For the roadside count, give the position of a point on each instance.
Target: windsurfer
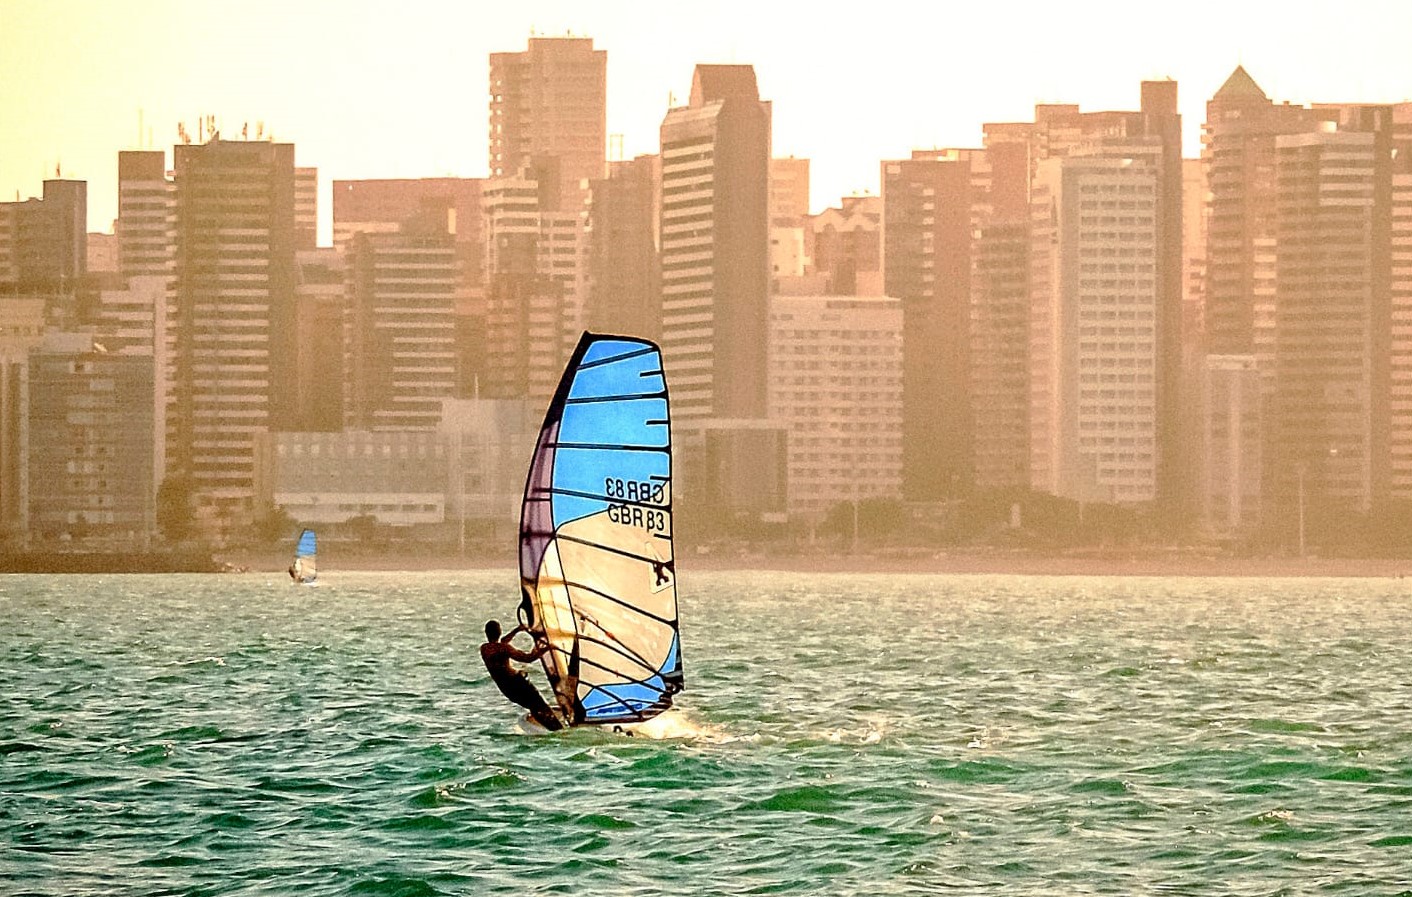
(497, 653)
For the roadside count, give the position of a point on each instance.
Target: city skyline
(400, 92)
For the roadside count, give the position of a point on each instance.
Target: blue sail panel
(305, 567)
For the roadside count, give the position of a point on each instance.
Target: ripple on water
(214, 736)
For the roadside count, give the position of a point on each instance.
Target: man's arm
(527, 656)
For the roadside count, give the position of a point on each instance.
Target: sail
(305, 561)
(596, 562)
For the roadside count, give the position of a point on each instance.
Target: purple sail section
(537, 513)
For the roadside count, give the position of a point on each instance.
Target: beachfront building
(836, 387)
(489, 442)
(401, 355)
(548, 116)
(234, 320)
(1231, 444)
(624, 293)
(536, 263)
(1330, 446)
(397, 478)
(21, 330)
(1093, 364)
(89, 466)
(715, 246)
(928, 204)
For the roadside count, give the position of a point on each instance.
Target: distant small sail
(305, 567)
(596, 561)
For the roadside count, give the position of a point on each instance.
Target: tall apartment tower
(401, 335)
(1333, 314)
(928, 206)
(845, 246)
(381, 206)
(843, 409)
(89, 444)
(548, 113)
(146, 225)
(1238, 147)
(1151, 138)
(44, 246)
(535, 285)
(234, 319)
(306, 208)
(1094, 319)
(1400, 365)
(715, 246)
(624, 295)
(321, 294)
(1000, 317)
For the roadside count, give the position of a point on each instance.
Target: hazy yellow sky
(398, 89)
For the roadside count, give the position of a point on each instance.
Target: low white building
(836, 387)
(397, 477)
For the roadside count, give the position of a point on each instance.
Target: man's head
(492, 630)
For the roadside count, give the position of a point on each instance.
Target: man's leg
(528, 697)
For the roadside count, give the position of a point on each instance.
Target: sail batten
(596, 556)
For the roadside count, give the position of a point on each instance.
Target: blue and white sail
(596, 563)
(305, 568)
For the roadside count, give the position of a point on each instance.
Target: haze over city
(374, 90)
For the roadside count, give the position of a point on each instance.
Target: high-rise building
(624, 294)
(929, 208)
(1232, 449)
(401, 333)
(321, 298)
(44, 246)
(1000, 343)
(1239, 151)
(1400, 347)
(846, 246)
(383, 206)
(1094, 320)
(21, 330)
(789, 211)
(715, 246)
(306, 208)
(234, 319)
(836, 386)
(89, 444)
(536, 270)
(1333, 313)
(1151, 136)
(548, 116)
(789, 191)
(146, 225)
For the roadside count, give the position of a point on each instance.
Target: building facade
(836, 386)
(234, 320)
(548, 116)
(715, 246)
(1094, 298)
(401, 355)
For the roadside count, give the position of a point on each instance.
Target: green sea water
(839, 735)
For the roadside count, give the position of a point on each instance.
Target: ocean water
(840, 735)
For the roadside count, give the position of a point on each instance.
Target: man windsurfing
(497, 652)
